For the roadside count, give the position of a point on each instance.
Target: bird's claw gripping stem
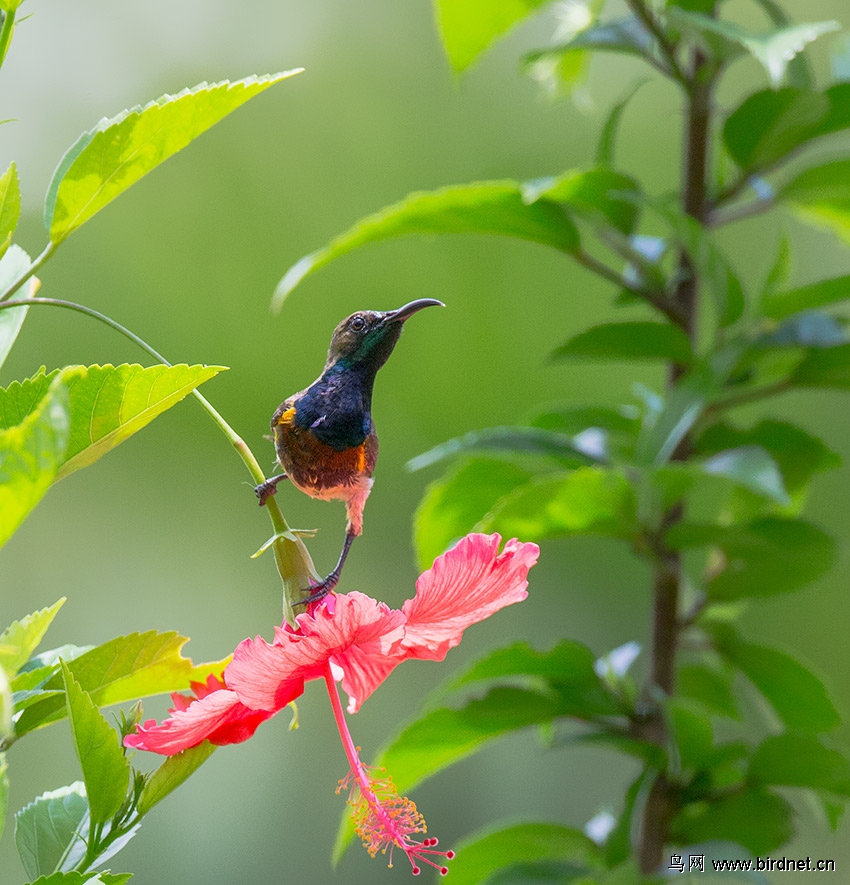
(268, 487)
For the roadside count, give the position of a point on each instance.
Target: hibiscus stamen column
(382, 819)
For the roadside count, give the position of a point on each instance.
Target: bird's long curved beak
(412, 307)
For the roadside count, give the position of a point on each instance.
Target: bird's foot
(268, 487)
(320, 590)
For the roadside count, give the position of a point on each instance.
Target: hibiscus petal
(219, 717)
(266, 676)
(465, 585)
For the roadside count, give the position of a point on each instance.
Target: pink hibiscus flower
(359, 641)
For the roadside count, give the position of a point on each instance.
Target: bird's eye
(357, 324)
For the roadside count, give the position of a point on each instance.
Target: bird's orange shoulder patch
(287, 416)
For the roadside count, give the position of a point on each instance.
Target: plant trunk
(660, 803)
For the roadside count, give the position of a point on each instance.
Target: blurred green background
(158, 534)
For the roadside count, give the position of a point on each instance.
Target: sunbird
(324, 436)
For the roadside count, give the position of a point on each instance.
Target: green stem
(278, 522)
(6, 32)
(46, 253)
(668, 49)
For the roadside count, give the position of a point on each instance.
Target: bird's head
(367, 338)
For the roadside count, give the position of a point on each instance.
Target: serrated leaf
(13, 264)
(490, 207)
(513, 440)
(444, 736)
(10, 202)
(755, 818)
(50, 831)
(824, 367)
(589, 500)
(107, 404)
(172, 773)
(795, 760)
(603, 197)
(819, 294)
(798, 696)
(821, 194)
(21, 638)
(487, 851)
(468, 27)
(106, 160)
(774, 50)
(106, 771)
(111, 403)
(125, 668)
(31, 452)
(454, 504)
(629, 341)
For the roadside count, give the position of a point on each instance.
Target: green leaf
(710, 263)
(751, 467)
(568, 668)
(106, 771)
(50, 831)
(75, 878)
(821, 194)
(13, 264)
(10, 202)
(108, 404)
(468, 27)
(106, 160)
(795, 760)
(513, 440)
(601, 196)
(111, 403)
(540, 873)
(444, 736)
(799, 698)
(771, 124)
(629, 341)
(454, 504)
(755, 818)
(487, 851)
(589, 500)
(798, 453)
(824, 367)
(172, 773)
(627, 35)
(691, 732)
(710, 686)
(494, 207)
(778, 274)
(799, 72)
(125, 668)
(767, 556)
(611, 430)
(608, 136)
(811, 328)
(31, 452)
(21, 638)
(617, 846)
(814, 295)
(4, 792)
(773, 50)
(664, 428)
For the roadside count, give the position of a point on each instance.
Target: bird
(324, 435)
